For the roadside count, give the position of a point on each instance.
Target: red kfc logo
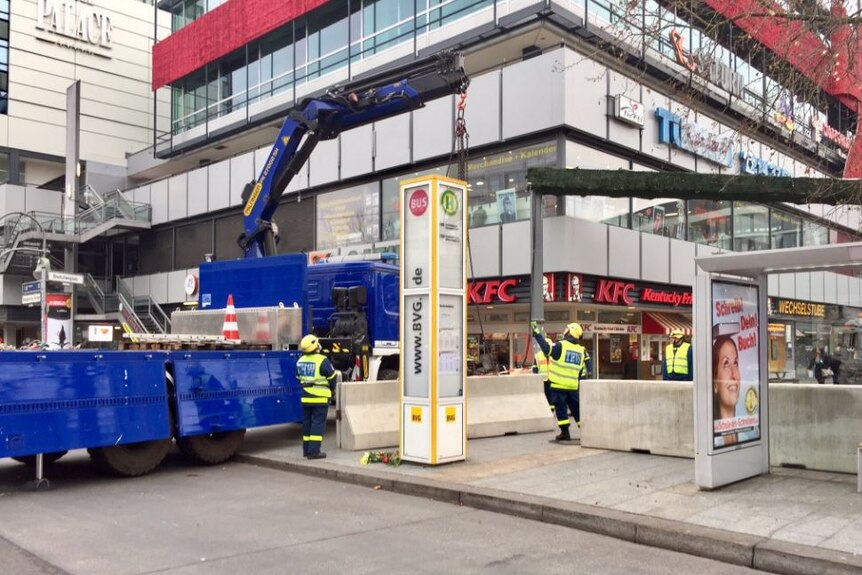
(613, 291)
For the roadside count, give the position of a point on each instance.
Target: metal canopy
(811, 258)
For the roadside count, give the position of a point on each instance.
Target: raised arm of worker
(552, 352)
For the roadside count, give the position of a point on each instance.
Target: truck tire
(132, 459)
(47, 458)
(211, 448)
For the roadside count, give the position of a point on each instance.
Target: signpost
(433, 311)
(31, 293)
(66, 278)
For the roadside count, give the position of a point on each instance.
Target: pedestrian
(569, 362)
(821, 365)
(678, 362)
(540, 366)
(316, 375)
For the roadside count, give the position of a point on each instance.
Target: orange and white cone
(230, 329)
(262, 334)
(357, 370)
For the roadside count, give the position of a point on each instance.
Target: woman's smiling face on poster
(726, 375)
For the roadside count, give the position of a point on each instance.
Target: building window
(709, 223)
(349, 216)
(814, 234)
(786, 230)
(663, 217)
(750, 227)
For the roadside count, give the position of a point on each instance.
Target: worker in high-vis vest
(569, 363)
(316, 375)
(540, 366)
(678, 363)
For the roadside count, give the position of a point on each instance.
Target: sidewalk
(790, 521)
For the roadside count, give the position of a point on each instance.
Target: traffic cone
(357, 370)
(262, 333)
(230, 329)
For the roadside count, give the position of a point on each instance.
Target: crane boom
(343, 107)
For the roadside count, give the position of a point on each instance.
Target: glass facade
(750, 227)
(326, 39)
(709, 223)
(4, 59)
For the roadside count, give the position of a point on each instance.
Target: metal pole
(537, 300)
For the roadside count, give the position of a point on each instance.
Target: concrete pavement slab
(815, 517)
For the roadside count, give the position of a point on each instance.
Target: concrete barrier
(368, 412)
(818, 426)
(814, 426)
(634, 415)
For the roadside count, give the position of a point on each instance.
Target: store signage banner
(797, 308)
(749, 164)
(735, 373)
(80, 25)
(611, 327)
(628, 111)
(691, 137)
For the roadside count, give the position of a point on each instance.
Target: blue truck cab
(361, 324)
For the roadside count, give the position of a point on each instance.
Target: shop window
(814, 234)
(523, 316)
(786, 230)
(349, 216)
(561, 315)
(750, 227)
(709, 223)
(662, 217)
(612, 211)
(497, 317)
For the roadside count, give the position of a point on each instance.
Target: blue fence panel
(61, 400)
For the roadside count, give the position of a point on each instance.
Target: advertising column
(730, 386)
(433, 308)
(57, 330)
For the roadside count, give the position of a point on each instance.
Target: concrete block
(369, 411)
(718, 544)
(506, 404)
(626, 415)
(797, 559)
(599, 520)
(439, 490)
(517, 504)
(816, 426)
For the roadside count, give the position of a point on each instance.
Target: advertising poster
(735, 374)
(506, 205)
(58, 324)
(573, 288)
(548, 287)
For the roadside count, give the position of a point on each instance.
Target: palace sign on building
(78, 25)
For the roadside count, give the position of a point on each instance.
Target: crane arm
(367, 100)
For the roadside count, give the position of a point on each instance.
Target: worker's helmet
(309, 344)
(676, 333)
(575, 330)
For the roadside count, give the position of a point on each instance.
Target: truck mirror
(358, 296)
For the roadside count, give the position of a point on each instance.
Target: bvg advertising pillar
(433, 312)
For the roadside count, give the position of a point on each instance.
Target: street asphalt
(790, 521)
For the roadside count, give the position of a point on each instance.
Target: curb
(717, 544)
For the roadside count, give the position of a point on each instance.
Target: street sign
(31, 293)
(66, 278)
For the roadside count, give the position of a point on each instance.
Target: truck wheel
(211, 448)
(47, 458)
(388, 375)
(131, 459)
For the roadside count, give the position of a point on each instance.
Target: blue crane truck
(352, 306)
(127, 407)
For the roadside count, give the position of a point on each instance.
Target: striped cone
(230, 329)
(262, 333)
(357, 370)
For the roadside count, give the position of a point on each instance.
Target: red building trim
(221, 31)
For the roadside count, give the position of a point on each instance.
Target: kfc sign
(491, 291)
(615, 292)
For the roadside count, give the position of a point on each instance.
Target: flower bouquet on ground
(387, 457)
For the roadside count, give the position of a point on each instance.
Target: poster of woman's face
(735, 370)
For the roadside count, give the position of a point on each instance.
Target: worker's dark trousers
(550, 396)
(564, 401)
(313, 426)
